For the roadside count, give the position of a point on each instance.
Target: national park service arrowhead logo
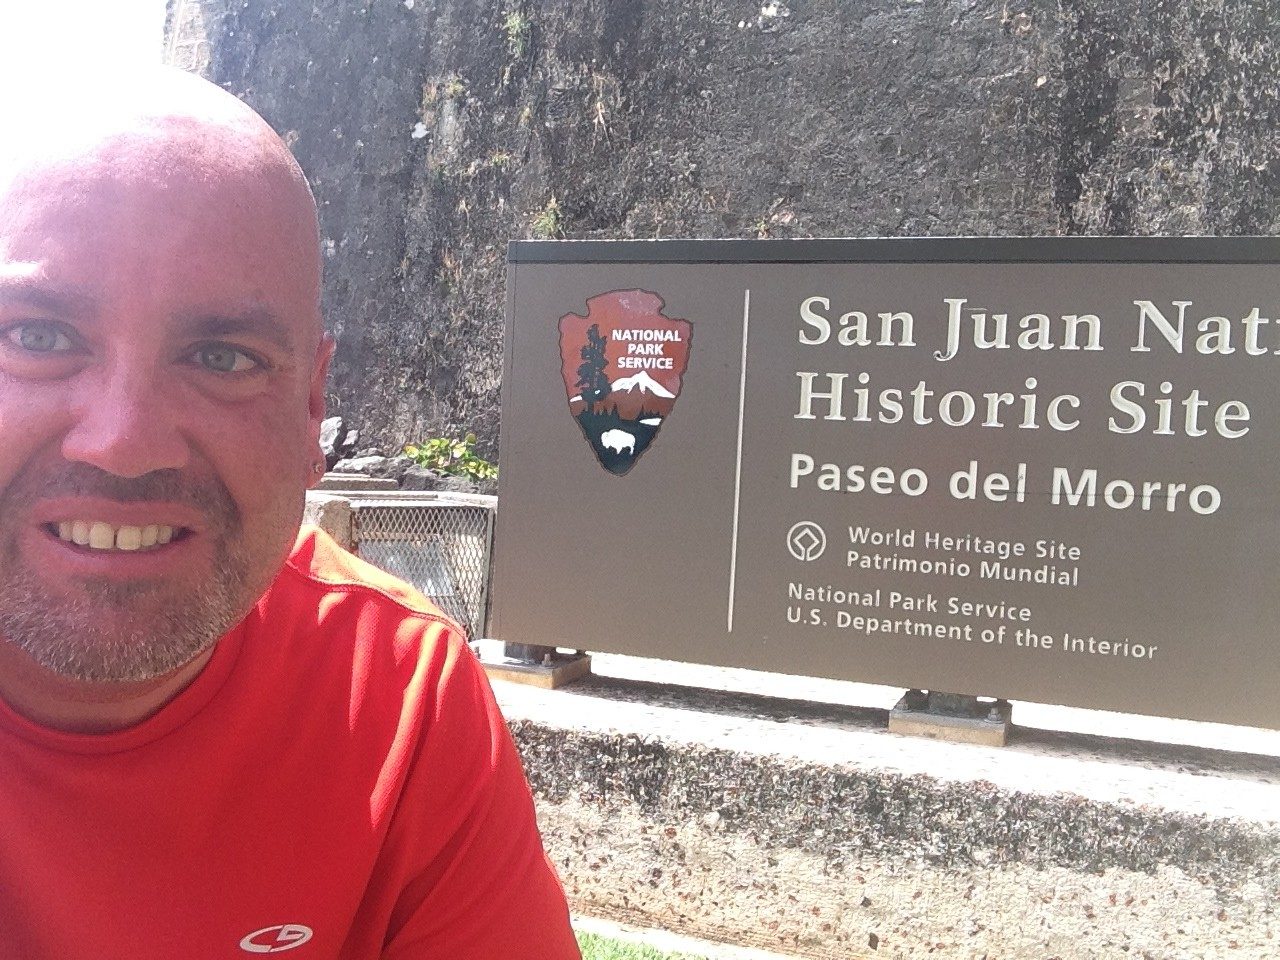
(623, 366)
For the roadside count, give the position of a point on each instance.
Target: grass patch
(547, 222)
(516, 24)
(595, 947)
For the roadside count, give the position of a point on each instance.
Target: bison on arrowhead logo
(623, 366)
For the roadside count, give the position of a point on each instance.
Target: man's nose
(124, 424)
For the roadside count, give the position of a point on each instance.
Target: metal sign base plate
(560, 671)
(951, 717)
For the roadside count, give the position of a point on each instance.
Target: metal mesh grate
(441, 548)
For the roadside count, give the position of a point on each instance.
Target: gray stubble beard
(113, 631)
(81, 638)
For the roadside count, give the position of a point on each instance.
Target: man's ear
(315, 399)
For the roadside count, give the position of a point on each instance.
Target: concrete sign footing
(549, 671)
(806, 828)
(956, 718)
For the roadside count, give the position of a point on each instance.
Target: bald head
(152, 104)
(159, 130)
(162, 364)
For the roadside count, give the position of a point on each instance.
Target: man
(218, 738)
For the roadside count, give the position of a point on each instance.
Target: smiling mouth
(97, 535)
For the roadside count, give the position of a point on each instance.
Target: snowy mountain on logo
(644, 383)
(636, 397)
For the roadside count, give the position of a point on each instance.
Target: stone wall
(436, 130)
(807, 829)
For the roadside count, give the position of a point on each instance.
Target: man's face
(161, 376)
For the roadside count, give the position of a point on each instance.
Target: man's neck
(76, 706)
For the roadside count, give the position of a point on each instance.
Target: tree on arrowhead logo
(623, 367)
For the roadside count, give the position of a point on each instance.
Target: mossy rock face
(434, 133)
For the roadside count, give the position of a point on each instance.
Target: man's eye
(39, 338)
(221, 358)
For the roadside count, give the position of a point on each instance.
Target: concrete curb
(808, 829)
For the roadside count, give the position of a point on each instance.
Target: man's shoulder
(319, 572)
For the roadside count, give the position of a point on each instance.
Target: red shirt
(337, 784)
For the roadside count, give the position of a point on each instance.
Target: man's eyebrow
(33, 292)
(255, 322)
(30, 290)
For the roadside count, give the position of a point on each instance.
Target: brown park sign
(1036, 469)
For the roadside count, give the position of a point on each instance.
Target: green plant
(453, 87)
(516, 26)
(546, 224)
(596, 947)
(455, 457)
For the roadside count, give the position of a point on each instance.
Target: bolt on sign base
(550, 671)
(957, 718)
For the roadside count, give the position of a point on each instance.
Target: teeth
(128, 538)
(103, 536)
